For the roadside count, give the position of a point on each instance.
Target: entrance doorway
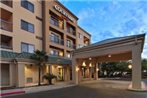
(5, 74)
(61, 74)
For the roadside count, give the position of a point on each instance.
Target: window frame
(25, 4)
(27, 26)
(27, 44)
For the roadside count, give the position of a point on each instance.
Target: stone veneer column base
(143, 88)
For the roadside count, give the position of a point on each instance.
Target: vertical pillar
(96, 71)
(75, 70)
(64, 38)
(90, 73)
(20, 75)
(136, 68)
(0, 75)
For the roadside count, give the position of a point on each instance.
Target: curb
(31, 90)
(12, 93)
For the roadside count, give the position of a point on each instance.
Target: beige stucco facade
(18, 35)
(25, 72)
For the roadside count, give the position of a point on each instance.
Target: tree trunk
(50, 81)
(39, 76)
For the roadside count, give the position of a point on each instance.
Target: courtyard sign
(63, 13)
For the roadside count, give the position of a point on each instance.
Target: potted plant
(49, 78)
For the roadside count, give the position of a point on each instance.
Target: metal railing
(7, 2)
(56, 40)
(71, 46)
(5, 25)
(5, 46)
(56, 23)
(71, 32)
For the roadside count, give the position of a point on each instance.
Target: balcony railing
(56, 23)
(71, 46)
(7, 2)
(71, 32)
(5, 25)
(5, 47)
(56, 40)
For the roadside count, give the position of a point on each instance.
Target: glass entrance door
(61, 74)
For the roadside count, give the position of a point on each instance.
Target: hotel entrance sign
(63, 13)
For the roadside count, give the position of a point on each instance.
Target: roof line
(57, 1)
(131, 37)
(84, 30)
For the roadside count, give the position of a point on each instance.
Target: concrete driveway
(95, 89)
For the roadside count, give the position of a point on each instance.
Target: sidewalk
(35, 89)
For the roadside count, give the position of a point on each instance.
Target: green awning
(24, 55)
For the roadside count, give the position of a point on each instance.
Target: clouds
(112, 18)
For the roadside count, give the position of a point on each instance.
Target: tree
(41, 58)
(144, 64)
(49, 77)
(112, 67)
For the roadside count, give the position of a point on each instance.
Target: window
(69, 43)
(54, 21)
(56, 52)
(27, 26)
(80, 36)
(27, 48)
(68, 55)
(27, 5)
(55, 38)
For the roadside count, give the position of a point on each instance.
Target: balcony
(5, 25)
(56, 22)
(6, 20)
(56, 40)
(71, 29)
(6, 42)
(72, 32)
(56, 52)
(72, 46)
(7, 2)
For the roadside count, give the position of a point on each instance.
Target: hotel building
(29, 25)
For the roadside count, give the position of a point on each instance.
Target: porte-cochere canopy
(114, 49)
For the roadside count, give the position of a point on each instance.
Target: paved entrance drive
(96, 89)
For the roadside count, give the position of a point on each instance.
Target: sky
(105, 19)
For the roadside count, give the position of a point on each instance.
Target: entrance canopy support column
(136, 84)
(75, 71)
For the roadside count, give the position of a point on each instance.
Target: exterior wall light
(84, 64)
(130, 66)
(97, 69)
(77, 68)
(109, 55)
(90, 65)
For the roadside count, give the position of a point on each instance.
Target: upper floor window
(55, 38)
(27, 48)
(7, 2)
(27, 26)
(27, 5)
(80, 36)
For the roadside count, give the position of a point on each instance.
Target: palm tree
(41, 58)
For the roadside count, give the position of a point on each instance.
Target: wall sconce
(90, 58)
(77, 69)
(97, 69)
(84, 64)
(90, 65)
(109, 55)
(15, 61)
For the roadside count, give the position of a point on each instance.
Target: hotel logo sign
(63, 13)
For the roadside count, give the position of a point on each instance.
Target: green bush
(49, 77)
